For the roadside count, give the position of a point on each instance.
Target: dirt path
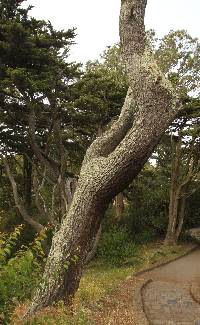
(167, 299)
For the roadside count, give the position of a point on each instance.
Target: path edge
(195, 297)
(138, 302)
(163, 263)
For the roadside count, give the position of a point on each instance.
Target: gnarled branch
(41, 156)
(110, 139)
(18, 201)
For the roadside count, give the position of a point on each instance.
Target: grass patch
(101, 278)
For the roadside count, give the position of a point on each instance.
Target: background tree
(35, 94)
(178, 55)
(185, 175)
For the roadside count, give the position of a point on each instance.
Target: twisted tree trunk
(112, 161)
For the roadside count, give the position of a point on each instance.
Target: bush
(145, 223)
(17, 280)
(8, 244)
(115, 245)
(146, 236)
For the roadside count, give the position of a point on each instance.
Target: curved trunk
(19, 202)
(112, 161)
(70, 248)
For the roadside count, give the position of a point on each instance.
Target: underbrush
(101, 277)
(20, 272)
(17, 280)
(116, 245)
(99, 280)
(59, 316)
(117, 258)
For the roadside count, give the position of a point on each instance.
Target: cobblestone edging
(163, 263)
(195, 293)
(143, 279)
(138, 303)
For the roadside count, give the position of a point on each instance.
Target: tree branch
(110, 139)
(36, 225)
(47, 161)
(153, 95)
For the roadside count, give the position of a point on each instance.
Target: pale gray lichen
(149, 64)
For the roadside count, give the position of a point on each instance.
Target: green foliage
(100, 92)
(20, 274)
(17, 280)
(146, 236)
(146, 213)
(7, 245)
(192, 218)
(178, 55)
(37, 245)
(33, 68)
(35, 78)
(115, 245)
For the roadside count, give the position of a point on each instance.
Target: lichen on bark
(114, 159)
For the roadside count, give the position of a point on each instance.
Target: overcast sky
(97, 20)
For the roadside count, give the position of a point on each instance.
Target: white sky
(97, 20)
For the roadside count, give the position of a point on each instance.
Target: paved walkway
(167, 299)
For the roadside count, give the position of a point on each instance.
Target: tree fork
(112, 161)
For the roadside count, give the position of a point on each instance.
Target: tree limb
(36, 225)
(110, 139)
(153, 95)
(49, 162)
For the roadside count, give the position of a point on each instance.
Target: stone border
(195, 296)
(138, 302)
(143, 283)
(163, 263)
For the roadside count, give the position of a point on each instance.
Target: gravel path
(167, 300)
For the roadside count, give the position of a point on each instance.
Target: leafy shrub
(146, 222)
(146, 236)
(17, 280)
(115, 245)
(8, 245)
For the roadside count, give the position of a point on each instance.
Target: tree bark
(119, 206)
(27, 170)
(182, 205)
(170, 238)
(176, 220)
(112, 161)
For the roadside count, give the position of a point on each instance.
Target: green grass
(100, 278)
